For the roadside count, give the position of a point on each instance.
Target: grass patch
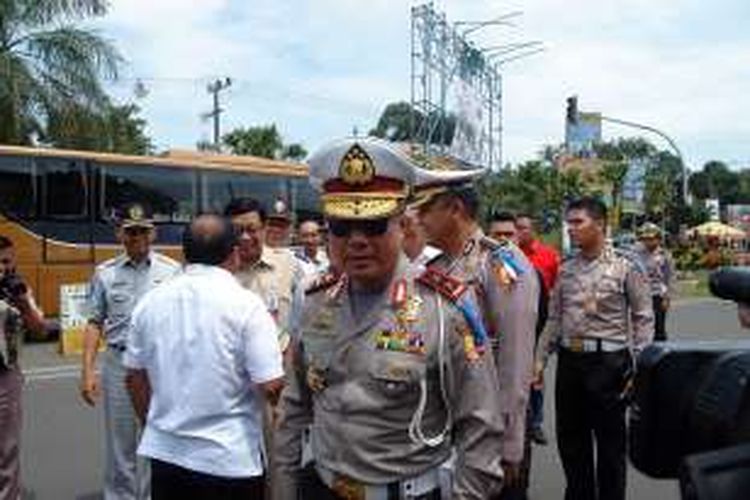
(693, 284)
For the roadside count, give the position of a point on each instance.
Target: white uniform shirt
(204, 341)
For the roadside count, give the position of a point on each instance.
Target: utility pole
(214, 88)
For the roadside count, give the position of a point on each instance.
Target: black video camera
(690, 397)
(12, 287)
(690, 416)
(731, 283)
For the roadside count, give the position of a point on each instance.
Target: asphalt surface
(63, 446)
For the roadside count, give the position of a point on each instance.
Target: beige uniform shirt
(116, 287)
(509, 307)
(358, 383)
(659, 267)
(605, 298)
(276, 277)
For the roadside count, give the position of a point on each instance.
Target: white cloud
(319, 68)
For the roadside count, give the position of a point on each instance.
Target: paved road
(63, 446)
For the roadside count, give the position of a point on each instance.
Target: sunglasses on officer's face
(344, 228)
(136, 230)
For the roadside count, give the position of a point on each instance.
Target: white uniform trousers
(126, 476)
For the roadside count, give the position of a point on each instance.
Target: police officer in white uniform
(115, 288)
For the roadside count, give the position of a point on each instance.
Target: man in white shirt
(313, 258)
(199, 349)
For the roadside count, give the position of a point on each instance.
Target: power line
(343, 106)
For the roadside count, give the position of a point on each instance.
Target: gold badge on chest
(408, 313)
(323, 319)
(316, 379)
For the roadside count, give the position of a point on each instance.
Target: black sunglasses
(136, 230)
(344, 228)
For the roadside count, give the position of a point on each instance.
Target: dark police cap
(135, 215)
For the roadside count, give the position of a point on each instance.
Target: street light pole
(666, 138)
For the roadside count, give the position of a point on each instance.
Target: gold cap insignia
(135, 212)
(356, 167)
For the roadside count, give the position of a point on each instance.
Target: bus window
(220, 187)
(64, 187)
(306, 200)
(17, 193)
(170, 192)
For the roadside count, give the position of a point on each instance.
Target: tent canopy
(717, 229)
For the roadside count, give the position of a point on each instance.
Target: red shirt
(546, 260)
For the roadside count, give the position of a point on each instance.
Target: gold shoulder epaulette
(446, 285)
(322, 282)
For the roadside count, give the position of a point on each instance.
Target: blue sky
(319, 68)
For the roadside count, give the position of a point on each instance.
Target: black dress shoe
(539, 437)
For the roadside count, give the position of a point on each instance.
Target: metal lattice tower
(441, 59)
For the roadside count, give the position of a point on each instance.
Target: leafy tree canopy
(400, 122)
(116, 129)
(49, 65)
(264, 141)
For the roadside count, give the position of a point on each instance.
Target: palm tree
(48, 65)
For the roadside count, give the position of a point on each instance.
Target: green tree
(662, 198)
(264, 141)
(116, 129)
(294, 152)
(617, 156)
(715, 181)
(399, 121)
(744, 186)
(395, 123)
(48, 64)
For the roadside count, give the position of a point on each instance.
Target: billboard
(471, 136)
(634, 186)
(712, 205)
(583, 133)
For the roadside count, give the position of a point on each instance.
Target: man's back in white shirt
(204, 342)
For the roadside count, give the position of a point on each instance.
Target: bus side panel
(28, 245)
(66, 253)
(55, 275)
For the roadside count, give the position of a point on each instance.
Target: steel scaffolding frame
(440, 57)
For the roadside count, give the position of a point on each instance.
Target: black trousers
(590, 413)
(660, 319)
(313, 488)
(171, 482)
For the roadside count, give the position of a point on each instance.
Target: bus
(58, 205)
